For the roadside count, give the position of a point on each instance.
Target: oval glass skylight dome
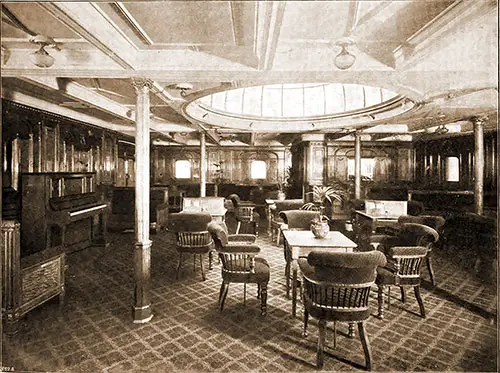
(304, 100)
(298, 107)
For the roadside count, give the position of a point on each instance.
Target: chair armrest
(242, 238)
(306, 269)
(240, 247)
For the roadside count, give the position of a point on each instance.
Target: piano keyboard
(99, 207)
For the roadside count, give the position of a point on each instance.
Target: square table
(301, 243)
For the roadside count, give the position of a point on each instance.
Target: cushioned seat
(240, 274)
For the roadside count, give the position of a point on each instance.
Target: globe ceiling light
(344, 59)
(41, 57)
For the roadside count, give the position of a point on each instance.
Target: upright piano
(61, 209)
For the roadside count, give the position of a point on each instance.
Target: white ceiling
(441, 54)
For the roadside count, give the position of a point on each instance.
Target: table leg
(269, 228)
(294, 288)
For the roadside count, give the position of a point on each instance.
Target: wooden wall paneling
(212, 157)
(37, 156)
(90, 162)
(121, 179)
(316, 163)
(72, 165)
(494, 160)
(156, 172)
(57, 151)
(404, 164)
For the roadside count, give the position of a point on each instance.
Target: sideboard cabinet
(29, 281)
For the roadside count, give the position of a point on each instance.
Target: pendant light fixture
(344, 59)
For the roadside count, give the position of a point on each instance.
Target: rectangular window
(258, 170)
(183, 169)
(367, 167)
(452, 169)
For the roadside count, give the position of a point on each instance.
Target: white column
(357, 165)
(478, 123)
(142, 253)
(203, 165)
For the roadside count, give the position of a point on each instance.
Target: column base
(142, 315)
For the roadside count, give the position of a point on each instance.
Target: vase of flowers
(282, 185)
(320, 227)
(320, 195)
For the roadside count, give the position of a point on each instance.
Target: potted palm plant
(320, 195)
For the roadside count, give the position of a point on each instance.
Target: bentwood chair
(402, 269)
(240, 265)
(337, 288)
(192, 237)
(297, 220)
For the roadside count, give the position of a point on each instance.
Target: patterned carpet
(93, 330)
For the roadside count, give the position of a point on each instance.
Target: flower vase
(281, 196)
(320, 229)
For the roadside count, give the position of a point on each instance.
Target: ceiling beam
(123, 12)
(269, 21)
(237, 20)
(80, 93)
(352, 18)
(22, 98)
(427, 39)
(14, 21)
(90, 22)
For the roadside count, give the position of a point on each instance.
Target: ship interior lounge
(219, 186)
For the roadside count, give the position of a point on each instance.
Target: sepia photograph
(249, 186)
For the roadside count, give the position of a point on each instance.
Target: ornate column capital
(142, 84)
(479, 119)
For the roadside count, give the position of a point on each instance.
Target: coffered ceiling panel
(193, 22)
(37, 20)
(315, 20)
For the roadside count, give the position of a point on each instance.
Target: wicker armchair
(192, 237)
(336, 288)
(240, 265)
(403, 269)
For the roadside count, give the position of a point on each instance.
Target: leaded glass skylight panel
(296, 100)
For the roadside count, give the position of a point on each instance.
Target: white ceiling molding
(83, 94)
(38, 103)
(424, 41)
(132, 22)
(269, 21)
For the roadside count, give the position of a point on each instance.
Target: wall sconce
(344, 59)
(41, 57)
